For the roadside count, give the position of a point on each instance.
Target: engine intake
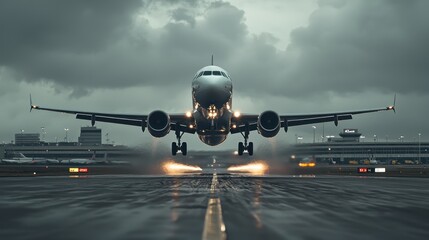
(158, 123)
(269, 124)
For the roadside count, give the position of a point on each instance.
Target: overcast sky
(289, 56)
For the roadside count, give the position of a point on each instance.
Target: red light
(362, 170)
(83, 170)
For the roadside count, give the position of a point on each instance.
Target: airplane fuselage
(212, 103)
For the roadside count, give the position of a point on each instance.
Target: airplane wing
(178, 121)
(250, 121)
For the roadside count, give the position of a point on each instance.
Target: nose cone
(213, 92)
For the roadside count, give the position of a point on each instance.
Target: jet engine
(158, 123)
(269, 124)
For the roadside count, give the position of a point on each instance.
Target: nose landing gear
(175, 147)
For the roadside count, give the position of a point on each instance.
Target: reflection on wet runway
(253, 168)
(195, 206)
(173, 168)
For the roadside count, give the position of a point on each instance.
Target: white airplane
(17, 158)
(212, 117)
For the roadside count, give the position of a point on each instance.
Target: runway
(187, 206)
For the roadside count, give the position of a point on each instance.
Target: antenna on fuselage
(212, 59)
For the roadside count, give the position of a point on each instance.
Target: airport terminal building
(89, 145)
(349, 149)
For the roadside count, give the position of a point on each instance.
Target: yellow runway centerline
(214, 227)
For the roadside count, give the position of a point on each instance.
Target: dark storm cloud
(348, 46)
(31, 27)
(353, 46)
(86, 46)
(182, 14)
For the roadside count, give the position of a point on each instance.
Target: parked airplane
(91, 160)
(212, 117)
(19, 158)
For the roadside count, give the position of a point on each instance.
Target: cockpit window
(217, 73)
(201, 73)
(206, 73)
(224, 74)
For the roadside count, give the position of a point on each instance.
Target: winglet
(392, 107)
(31, 104)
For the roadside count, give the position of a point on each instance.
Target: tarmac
(213, 204)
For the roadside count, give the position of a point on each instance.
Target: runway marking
(214, 227)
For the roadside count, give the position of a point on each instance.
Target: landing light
(188, 114)
(237, 114)
(191, 126)
(234, 126)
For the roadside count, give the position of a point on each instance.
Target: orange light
(307, 164)
(84, 170)
(234, 126)
(172, 168)
(191, 126)
(255, 168)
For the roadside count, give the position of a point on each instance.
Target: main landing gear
(175, 147)
(242, 147)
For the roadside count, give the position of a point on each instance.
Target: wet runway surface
(178, 207)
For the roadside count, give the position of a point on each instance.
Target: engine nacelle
(158, 123)
(269, 124)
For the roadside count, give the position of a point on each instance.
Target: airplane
(212, 117)
(19, 158)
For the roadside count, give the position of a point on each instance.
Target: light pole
(314, 134)
(323, 132)
(375, 138)
(66, 137)
(43, 129)
(363, 138)
(419, 148)
(401, 138)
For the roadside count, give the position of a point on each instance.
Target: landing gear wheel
(184, 148)
(174, 148)
(240, 148)
(245, 146)
(250, 148)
